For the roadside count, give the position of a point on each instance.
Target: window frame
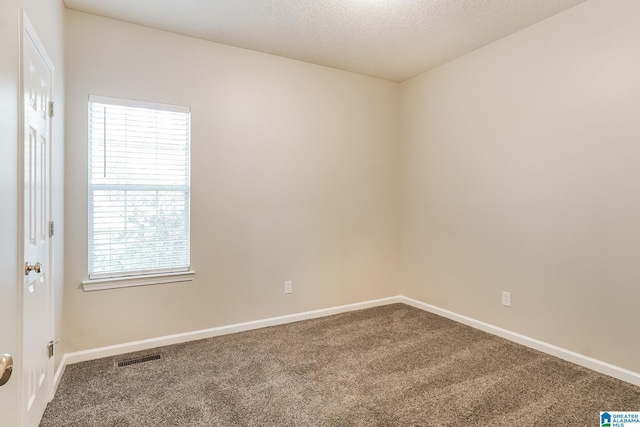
(130, 278)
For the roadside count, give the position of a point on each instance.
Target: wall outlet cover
(506, 299)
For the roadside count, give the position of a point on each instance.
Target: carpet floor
(386, 366)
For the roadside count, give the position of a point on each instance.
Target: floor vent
(137, 360)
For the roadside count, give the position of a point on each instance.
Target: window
(139, 188)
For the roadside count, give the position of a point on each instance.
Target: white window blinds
(138, 188)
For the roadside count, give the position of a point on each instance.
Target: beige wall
(294, 177)
(47, 18)
(521, 173)
(516, 171)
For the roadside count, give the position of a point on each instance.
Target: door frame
(27, 30)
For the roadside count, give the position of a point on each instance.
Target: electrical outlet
(506, 299)
(288, 287)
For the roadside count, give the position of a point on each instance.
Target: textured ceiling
(391, 39)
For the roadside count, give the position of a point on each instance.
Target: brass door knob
(6, 368)
(28, 268)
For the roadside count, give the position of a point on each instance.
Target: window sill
(127, 282)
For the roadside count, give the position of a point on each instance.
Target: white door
(37, 331)
(9, 255)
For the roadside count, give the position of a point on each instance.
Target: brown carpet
(386, 366)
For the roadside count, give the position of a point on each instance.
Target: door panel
(9, 224)
(37, 366)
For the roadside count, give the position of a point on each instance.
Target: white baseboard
(59, 372)
(568, 355)
(579, 359)
(113, 350)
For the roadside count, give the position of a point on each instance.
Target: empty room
(319, 213)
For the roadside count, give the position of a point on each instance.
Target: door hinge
(50, 348)
(51, 229)
(51, 110)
